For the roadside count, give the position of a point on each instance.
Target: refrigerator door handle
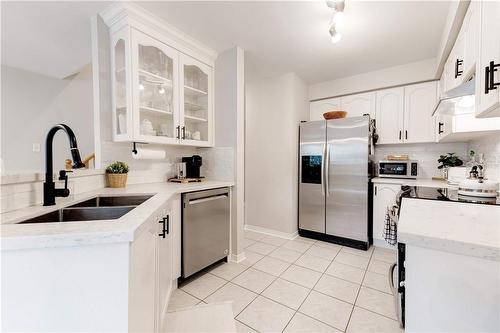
(327, 170)
(323, 170)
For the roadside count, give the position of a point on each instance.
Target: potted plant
(448, 161)
(116, 173)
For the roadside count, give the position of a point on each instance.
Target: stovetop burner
(449, 194)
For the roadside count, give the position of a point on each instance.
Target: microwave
(397, 169)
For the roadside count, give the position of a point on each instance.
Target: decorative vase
(116, 180)
(445, 173)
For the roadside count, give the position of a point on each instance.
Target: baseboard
(271, 232)
(237, 258)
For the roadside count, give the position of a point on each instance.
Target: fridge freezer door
(311, 176)
(347, 170)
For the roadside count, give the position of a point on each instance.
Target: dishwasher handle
(206, 199)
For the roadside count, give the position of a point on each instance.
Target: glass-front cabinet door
(154, 90)
(196, 102)
(120, 63)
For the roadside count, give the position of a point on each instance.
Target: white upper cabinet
(470, 29)
(317, 108)
(488, 61)
(420, 100)
(162, 87)
(389, 115)
(359, 104)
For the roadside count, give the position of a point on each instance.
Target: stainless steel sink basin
(113, 201)
(74, 214)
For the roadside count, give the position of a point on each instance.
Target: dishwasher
(205, 229)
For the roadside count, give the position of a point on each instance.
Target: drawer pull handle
(215, 197)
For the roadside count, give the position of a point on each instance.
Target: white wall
(274, 109)
(404, 74)
(31, 105)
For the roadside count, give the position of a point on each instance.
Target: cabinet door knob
(489, 77)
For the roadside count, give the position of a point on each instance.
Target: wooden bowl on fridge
(334, 115)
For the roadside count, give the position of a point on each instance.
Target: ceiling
(53, 38)
(50, 38)
(284, 36)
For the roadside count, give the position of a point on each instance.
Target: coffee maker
(193, 164)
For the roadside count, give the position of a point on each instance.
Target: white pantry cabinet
(161, 93)
(359, 104)
(488, 63)
(384, 195)
(420, 100)
(389, 115)
(317, 108)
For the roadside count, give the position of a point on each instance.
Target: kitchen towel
(390, 231)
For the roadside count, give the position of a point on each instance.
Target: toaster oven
(397, 169)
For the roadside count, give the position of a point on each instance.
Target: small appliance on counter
(397, 169)
(188, 171)
(476, 185)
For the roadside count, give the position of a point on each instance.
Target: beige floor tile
(346, 272)
(377, 281)
(286, 293)
(271, 266)
(265, 315)
(305, 239)
(338, 288)
(180, 299)
(242, 328)
(323, 252)
(300, 275)
(254, 280)
(228, 270)
(328, 245)
(301, 323)
(361, 253)
(378, 266)
(376, 301)
(251, 258)
(261, 248)
(313, 262)
(247, 242)
(240, 297)
(327, 309)
(204, 285)
(272, 240)
(387, 255)
(202, 318)
(297, 245)
(363, 321)
(285, 254)
(253, 235)
(353, 260)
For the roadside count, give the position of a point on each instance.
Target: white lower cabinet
(150, 276)
(384, 195)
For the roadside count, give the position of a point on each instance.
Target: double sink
(97, 208)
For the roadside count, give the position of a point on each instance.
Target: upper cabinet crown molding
(120, 14)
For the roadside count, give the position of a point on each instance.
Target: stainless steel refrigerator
(334, 181)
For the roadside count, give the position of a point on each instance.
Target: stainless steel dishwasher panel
(205, 229)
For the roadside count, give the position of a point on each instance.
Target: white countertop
(425, 182)
(124, 229)
(457, 227)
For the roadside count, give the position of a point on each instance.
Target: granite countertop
(425, 182)
(456, 227)
(125, 229)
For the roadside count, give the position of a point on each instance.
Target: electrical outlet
(36, 147)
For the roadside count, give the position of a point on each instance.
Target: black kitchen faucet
(50, 192)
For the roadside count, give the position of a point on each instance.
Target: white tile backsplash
(426, 154)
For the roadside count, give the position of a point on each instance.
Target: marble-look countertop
(125, 229)
(425, 182)
(456, 227)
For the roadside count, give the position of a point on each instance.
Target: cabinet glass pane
(120, 88)
(156, 92)
(195, 103)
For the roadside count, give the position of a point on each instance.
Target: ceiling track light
(337, 5)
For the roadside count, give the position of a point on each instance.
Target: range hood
(459, 100)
